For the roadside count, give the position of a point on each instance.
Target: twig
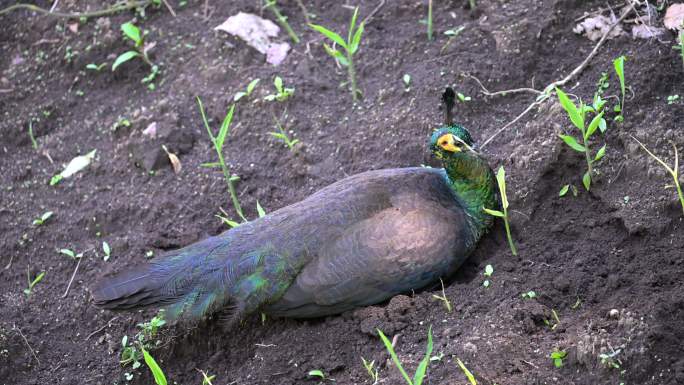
(33, 353)
(547, 90)
(54, 5)
(531, 364)
(168, 6)
(102, 328)
(66, 292)
(304, 11)
(9, 264)
(368, 18)
(121, 6)
(6, 90)
(505, 92)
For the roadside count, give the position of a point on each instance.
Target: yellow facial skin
(448, 143)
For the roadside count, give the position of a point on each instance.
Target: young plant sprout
(282, 93)
(577, 117)
(317, 373)
(452, 34)
(619, 65)
(96, 67)
(529, 295)
(489, 270)
(407, 82)
(260, 210)
(557, 357)
(282, 20)
(467, 372)
(157, 372)
(34, 144)
(350, 46)
(501, 180)
(218, 141)
(134, 34)
(429, 21)
(674, 171)
(680, 46)
(247, 92)
(282, 135)
(106, 250)
(443, 298)
(371, 370)
(206, 378)
(422, 367)
(32, 282)
(43, 218)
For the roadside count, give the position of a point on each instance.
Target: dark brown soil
(619, 247)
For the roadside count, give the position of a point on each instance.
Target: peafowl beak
(448, 142)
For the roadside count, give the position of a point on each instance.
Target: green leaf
(105, 248)
(602, 125)
(124, 57)
(225, 128)
(68, 252)
(407, 80)
(601, 153)
(278, 84)
(352, 24)
(390, 349)
(336, 54)
(495, 213)
(260, 210)
(501, 180)
(211, 165)
(316, 373)
(239, 95)
(593, 126)
(329, 34)
(575, 116)
(564, 190)
(157, 373)
(586, 180)
(572, 142)
(422, 367)
(356, 40)
(467, 373)
(252, 85)
(132, 32)
(619, 65)
(489, 270)
(56, 179)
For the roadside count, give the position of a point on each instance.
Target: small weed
(371, 370)
(350, 46)
(422, 367)
(576, 304)
(553, 324)
(71, 254)
(32, 282)
(132, 353)
(501, 180)
(564, 190)
(443, 298)
(206, 379)
(407, 82)
(472, 4)
(557, 357)
(317, 373)
(465, 371)
(610, 360)
(218, 141)
(157, 373)
(680, 46)
(462, 98)
(672, 99)
(489, 270)
(619, 65)
(34, 144)
(529, 295)
(429, 21)
(247, 92)
(672, 171)
(106, 250)
(282, 93)
(282, 20)
(133, 33)
(577, 117)
(452, 34)
(96, 67)
(43, 218)
(282, 135)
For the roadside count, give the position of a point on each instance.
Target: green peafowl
(354, 243)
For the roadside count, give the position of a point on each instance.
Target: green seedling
(568, 187)
(452, 34)
(422, 367)
(529, 295)
(71, 254)
(282, 20)
(106, 250)
(472, 4)
(672, 99)
(672, 171)
(407, 82)
(619, 65)
(350, 46)
(437, 357)
(553, 324)
(157, 372)
(501, 180)
(577, 117)
(133, 33)
(34, 144)
(218, 142)
(467, 372)
(96, 67)
(429, 21)
(557, 357)
(282, 135)
(32, 282)
(43, 218)
(610, 360)
(371, 370)
(489, 270)
(207, 379)
(317, 373)
(131, 353)
(247, 92)
(282, 93)
(74, 166)
(602, 84)
(576, 304)
(462, 98)
(443, 298)
(680, 46)
(260, 210)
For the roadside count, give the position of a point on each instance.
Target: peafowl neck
(473, 182)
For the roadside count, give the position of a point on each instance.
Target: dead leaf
(73, 27)
(257, 33)
(642, 31)
(175, 162)
(595, 27)
(151, 130)
(674, 17)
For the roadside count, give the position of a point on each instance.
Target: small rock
(614, 314)
(470, 348)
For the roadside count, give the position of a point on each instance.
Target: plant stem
(508, 234)
(282, 20)
(231, 187)
(352, 76)
(120, 6)
(429, 20)
(679, 192)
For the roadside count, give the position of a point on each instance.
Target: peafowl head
(451, 141)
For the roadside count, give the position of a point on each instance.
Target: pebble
(614, 314)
